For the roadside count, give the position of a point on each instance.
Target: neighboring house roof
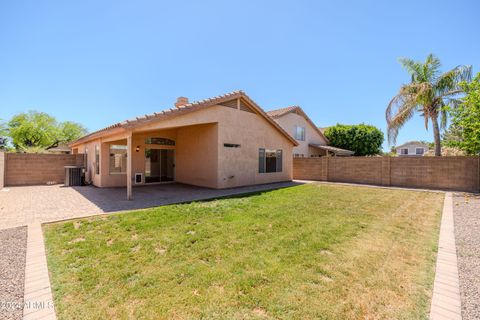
(417, 143)
(277, 113)
(322, 130)
(59, 148)
(337, 151)
(181, 110)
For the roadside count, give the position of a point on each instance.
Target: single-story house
(311, 140)
(412, 148)
(221, 142)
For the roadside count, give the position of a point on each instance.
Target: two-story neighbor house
(412, 148)
(311, 141)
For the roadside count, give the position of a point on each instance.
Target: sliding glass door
(159, 165)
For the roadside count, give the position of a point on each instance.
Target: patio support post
(129, 166)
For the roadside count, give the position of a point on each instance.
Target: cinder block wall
(2, 169)
(451, 173)
(34, 169)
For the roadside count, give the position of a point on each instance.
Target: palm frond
(400, 109)
(412, 67)
(449, 82)
(431, 68)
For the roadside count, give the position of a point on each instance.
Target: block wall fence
(446, 173)
(34, 169)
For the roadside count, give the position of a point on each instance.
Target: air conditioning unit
(74, 176)
(138, 178)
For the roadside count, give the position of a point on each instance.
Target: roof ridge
(193, 105)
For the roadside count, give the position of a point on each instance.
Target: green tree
(70, 131)
(428, 93)
(37, 130)
(363, 139)
(464, 131)
(3, 135)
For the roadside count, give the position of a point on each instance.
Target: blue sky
(100, 62)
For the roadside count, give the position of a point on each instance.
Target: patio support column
(129, 166)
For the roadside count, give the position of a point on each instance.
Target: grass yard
(307, 252)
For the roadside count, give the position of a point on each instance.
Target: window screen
(270, 160)
(300, 133)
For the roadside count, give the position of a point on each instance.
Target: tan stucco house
(221, 142)
(311, 140)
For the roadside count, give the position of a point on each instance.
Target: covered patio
(48, 203)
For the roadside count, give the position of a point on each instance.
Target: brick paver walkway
(446, 303)
(38, 302)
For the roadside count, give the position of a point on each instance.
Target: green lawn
(307, 252)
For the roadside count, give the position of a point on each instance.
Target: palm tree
(429, 93)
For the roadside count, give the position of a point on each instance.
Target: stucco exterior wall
(239, 166)
(197, 155)
(288, 123)
(200, 156)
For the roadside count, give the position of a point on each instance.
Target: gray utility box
(73, 176)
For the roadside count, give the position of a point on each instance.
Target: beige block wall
(453, 173)
(288, 123)
(2, 169)
(32, 169)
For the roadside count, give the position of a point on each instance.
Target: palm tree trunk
(436, 136)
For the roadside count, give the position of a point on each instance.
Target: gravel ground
(466, 208)
(13, 249)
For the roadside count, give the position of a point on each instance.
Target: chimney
(181, 101)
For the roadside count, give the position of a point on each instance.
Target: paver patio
(20, 206)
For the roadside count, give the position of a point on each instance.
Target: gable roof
(181, 110)
(418, 143)
(278, 113)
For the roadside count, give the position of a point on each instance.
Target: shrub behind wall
(363, 139)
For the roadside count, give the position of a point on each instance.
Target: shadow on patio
(114, 199)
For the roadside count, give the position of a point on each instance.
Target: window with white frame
(118, 159)
(419, 151)
(404, 151)
(270, 160)
(300, 133)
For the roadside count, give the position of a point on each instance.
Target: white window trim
(302, 136)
